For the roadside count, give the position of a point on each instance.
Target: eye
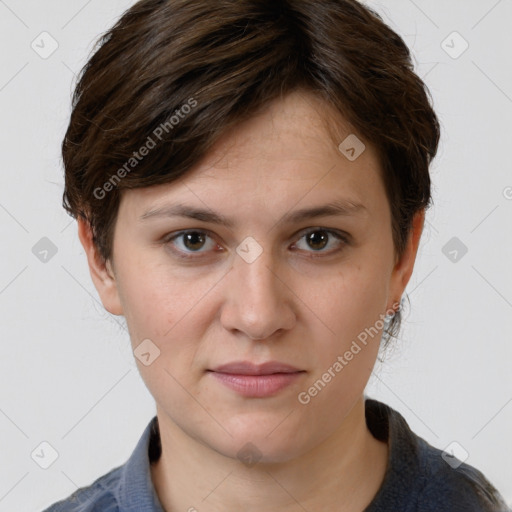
(191, 242)
(318, 239)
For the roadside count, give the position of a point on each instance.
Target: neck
(343, 473)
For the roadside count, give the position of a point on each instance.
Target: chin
(253, 446)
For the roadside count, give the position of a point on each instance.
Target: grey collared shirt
(418, 478)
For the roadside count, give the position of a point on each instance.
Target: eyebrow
(337, 208)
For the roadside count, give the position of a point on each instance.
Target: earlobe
(101, 272)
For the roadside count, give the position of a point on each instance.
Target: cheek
(352, 301)
(173, 311)
(158, 301)
(169, 315)
(347, 340)
(351, 309)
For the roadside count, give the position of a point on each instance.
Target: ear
(405, 265)
(101, 272)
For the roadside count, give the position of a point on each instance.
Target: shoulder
(454, 487)
(99, 496)
(125, 487)
(421, 477)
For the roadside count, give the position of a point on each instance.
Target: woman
(250, 180)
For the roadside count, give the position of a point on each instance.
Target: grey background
(68, 377)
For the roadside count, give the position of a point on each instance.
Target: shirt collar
(136, 491)
(403, 464)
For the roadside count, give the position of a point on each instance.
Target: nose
(257, 299)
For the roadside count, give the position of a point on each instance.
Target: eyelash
(340, 236)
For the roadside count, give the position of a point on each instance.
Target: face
(254, 281)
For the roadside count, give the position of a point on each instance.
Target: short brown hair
(226, 60)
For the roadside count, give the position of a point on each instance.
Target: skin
(287, 306)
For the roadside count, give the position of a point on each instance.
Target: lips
(247, 368)
(256, 381)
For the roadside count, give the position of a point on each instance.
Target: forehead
(286, 153)
(297, 127)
